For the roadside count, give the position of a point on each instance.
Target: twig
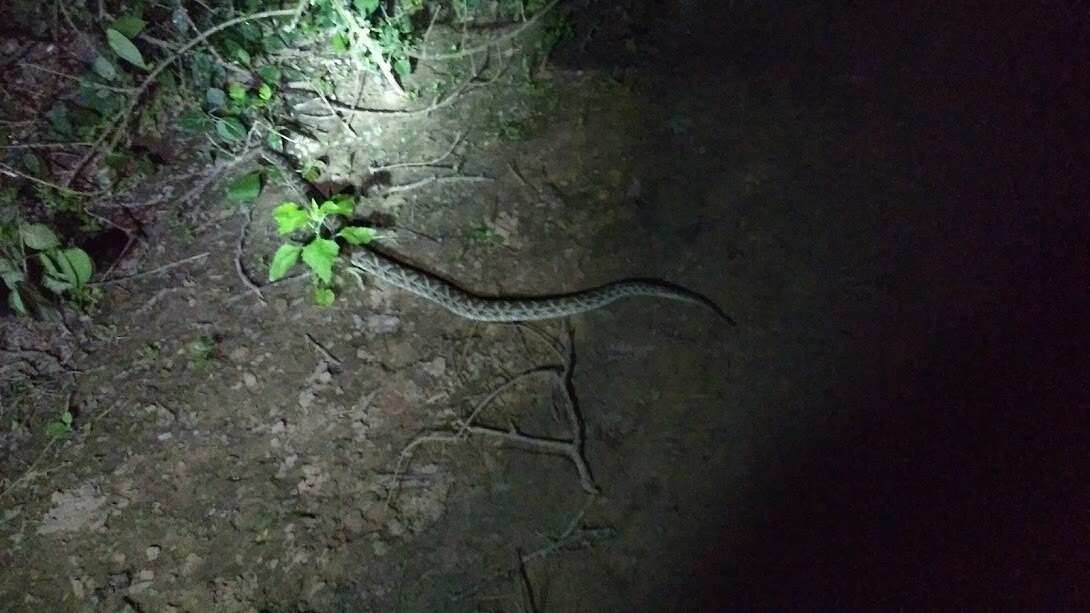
(564, 537)
(571, 448)
(30, 469)
(45, 145)
(12, 172)
(492, 42)
(362, 35)
(437, 104)
(80, 80)
(325, 352)
(526, 589)
(272, 284)
(329, 106)
(156, 298)
(459, 436)
(153, 271)
(239, 246)
(394, 189)
(432, 162)
(518, 175)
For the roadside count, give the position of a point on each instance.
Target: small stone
(153, 552)
(380, 548)
(383, 324)
(436, 368)
(192, 561)
(395, 527)
(249, 380)
(239, 355)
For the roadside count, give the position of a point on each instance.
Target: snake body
(481, 308)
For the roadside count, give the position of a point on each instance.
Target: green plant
(486, 236)
(202, 352)
(65, 270)
(318, 253)
(62, 426)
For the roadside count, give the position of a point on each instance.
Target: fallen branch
(153, 271)
(570, 448)
(395, 189)
(239, 248)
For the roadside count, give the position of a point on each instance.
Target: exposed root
(570, 448)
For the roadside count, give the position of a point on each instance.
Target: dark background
(953, 474)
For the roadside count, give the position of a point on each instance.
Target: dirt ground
(244, 450)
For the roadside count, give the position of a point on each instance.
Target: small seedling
(318, 253)
(202, 352)
(486, 236)
(60, 427)
(150, 352)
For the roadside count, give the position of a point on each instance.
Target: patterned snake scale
(480, 308)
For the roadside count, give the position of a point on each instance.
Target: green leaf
(216, 97)
(246, 189)
(249, 31)
(339, 43)
(124, 48)
(284, 258)
(402, 67)
(273, 43)
(32, 163)
(236, 91)
(15, 301)
(66, 418)
(230, 128)
(339, 205)
(289, 218)
(129, 25)
(56, 429)
(324, 296)
(319, 255)
(194, 122)
(56, 285)
(104, 68)
(357, 235)
(269, 74)
(38, 236)
(274, 141)
(237, 51)
(58, 119)
(61, 275)
(48, 263)
(81, 265)
(10, 273)
(365, 7)
(264, 92)
(313, 172)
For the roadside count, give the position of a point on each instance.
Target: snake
(496, 309)
(475, 307)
